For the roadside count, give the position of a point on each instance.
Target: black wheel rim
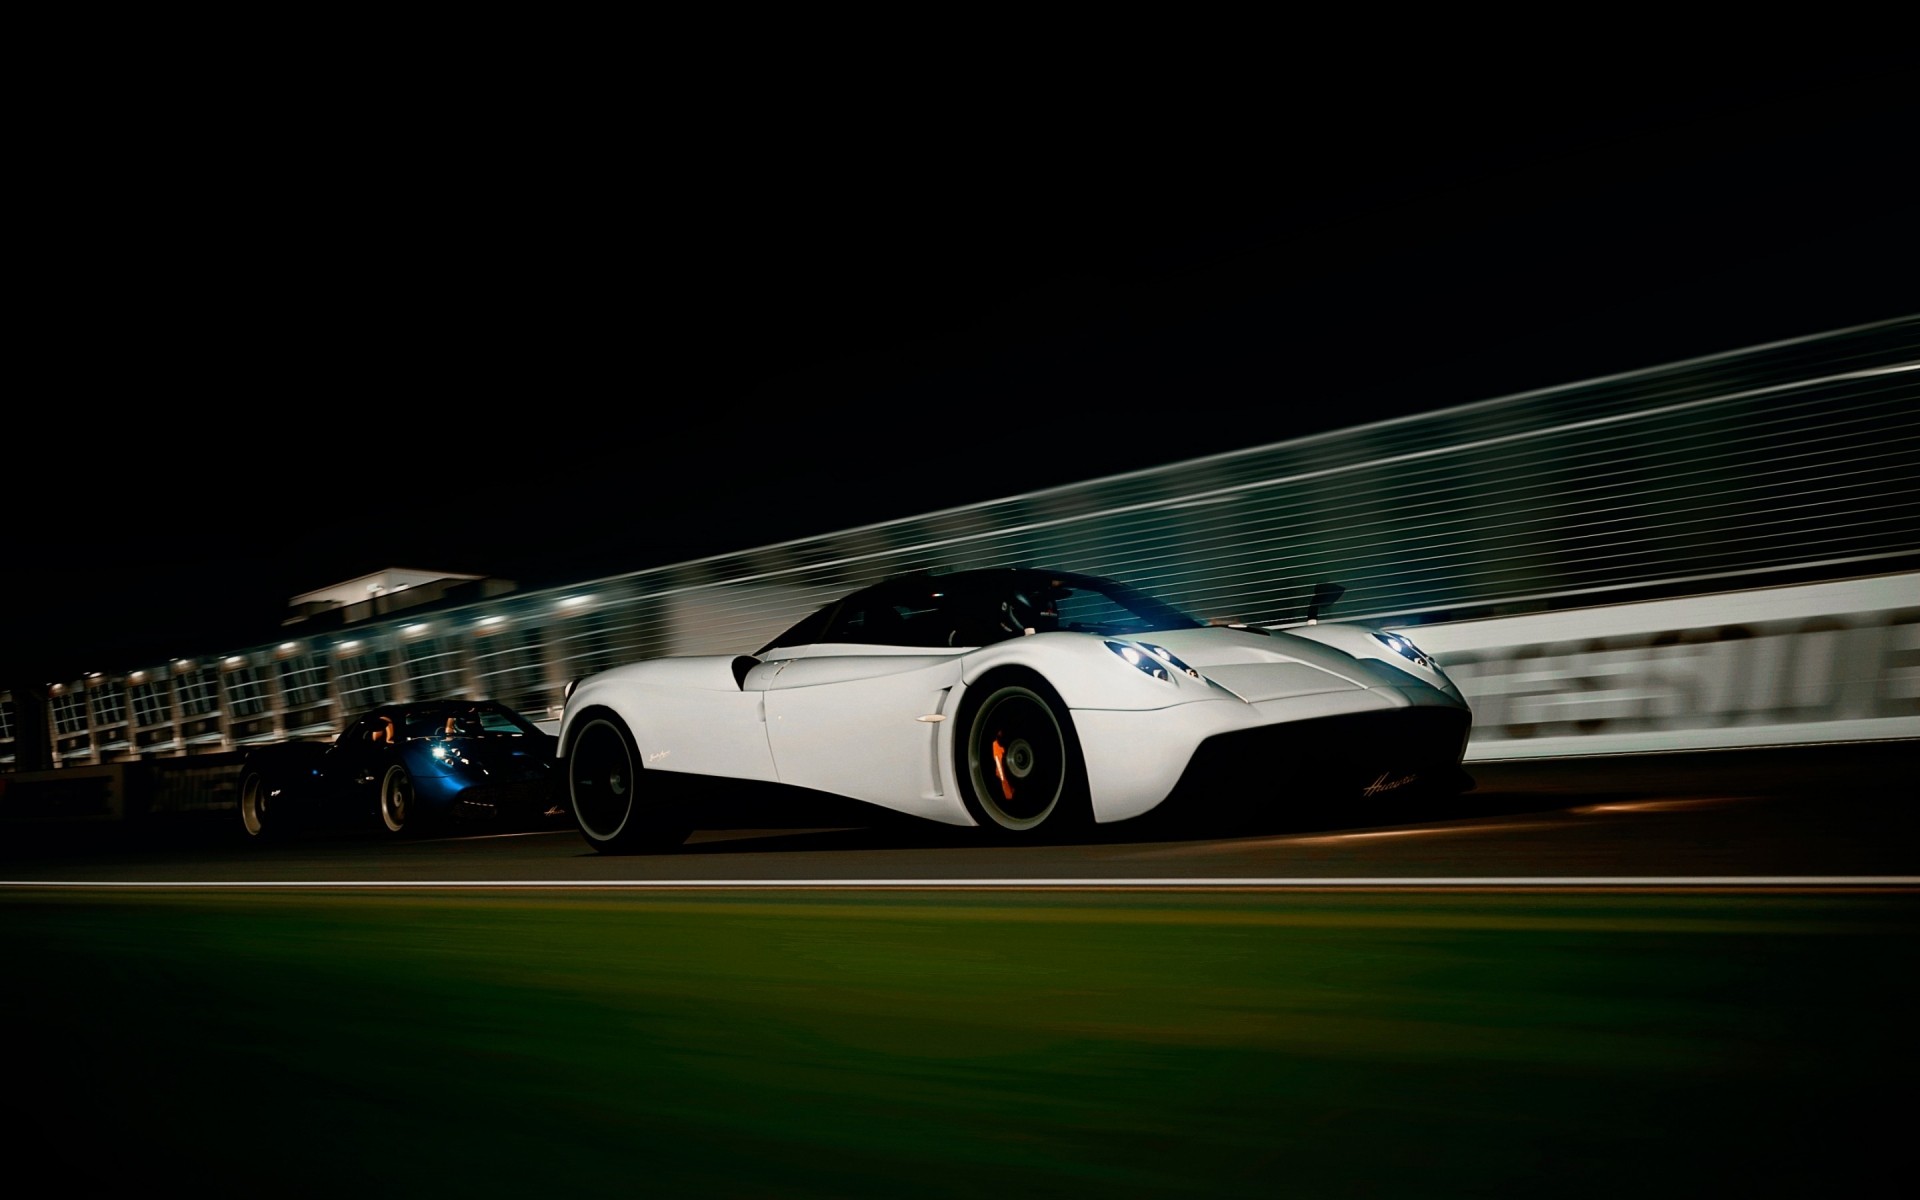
(600, 780)
(1016, 758)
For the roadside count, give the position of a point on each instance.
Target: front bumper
(1395, 754)
(504, 800)
(1390, 739)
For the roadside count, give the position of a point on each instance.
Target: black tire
(397, 805)
(263, 818)
(1021, 776)
(616, 808)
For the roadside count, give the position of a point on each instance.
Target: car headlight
(1406, 649)
(1150, 659)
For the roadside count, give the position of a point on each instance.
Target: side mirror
(1324, 597)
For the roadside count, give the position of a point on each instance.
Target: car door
(861, 718)
(862, 721)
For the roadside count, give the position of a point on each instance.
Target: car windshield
(466, 720)
(975, 608)
(1090, 604)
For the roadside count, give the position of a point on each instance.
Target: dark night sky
(276, 366)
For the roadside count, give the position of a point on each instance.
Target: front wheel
(618, 809)
(1023, 775)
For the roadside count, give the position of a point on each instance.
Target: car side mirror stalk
(1325, 595)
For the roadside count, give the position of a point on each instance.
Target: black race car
(402, 768)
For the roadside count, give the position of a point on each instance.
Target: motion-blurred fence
(1714, 481)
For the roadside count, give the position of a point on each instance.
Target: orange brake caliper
(1000, 769)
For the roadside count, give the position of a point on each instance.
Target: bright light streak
(1623, 806)
(1323, 839)
(1374, 834)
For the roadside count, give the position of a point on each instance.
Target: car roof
(983, 577)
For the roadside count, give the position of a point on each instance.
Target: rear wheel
(260, 817)
(1023, 775)
(618, 809)
(397, 805)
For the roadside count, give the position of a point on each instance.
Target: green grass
(957, 1044)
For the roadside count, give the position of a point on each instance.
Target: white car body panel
(853, 721)
(687, 715)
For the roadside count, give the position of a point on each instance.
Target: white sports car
(1027, 703)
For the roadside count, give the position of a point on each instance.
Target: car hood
(1257, 666)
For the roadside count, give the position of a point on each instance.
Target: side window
(805, 633)
(924, 622)
(873, 623)
(974, 620)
